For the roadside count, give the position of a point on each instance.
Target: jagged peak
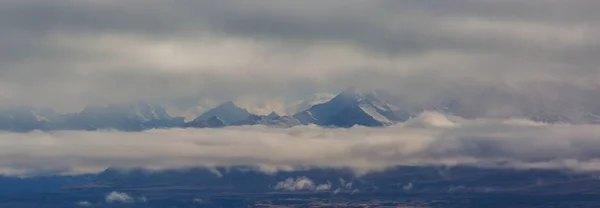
(228, 112)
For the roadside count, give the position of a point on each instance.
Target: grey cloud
(67, 53)
(511, 143)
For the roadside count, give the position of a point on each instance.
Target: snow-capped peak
(141, 111)
(228, 112)
(359, 107)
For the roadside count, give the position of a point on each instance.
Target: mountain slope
(212, 122)
(280, 121)
(127, 117)
(273, 115)
(20, 119)
(227, 112)
(315, 99)
(353, 115)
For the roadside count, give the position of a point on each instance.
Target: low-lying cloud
(84, 204)
(426, 140)
(116, 197)
(301, 184)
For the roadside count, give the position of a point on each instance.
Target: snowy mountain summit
(353, 107)
(227, 112)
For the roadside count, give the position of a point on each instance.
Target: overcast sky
(66, 53)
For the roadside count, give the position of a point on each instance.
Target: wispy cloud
(84, 204)
(120, 198)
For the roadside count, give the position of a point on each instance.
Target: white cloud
(302, 183)
(430, 119)
(408, 187)
(198, 201)
(344, 184)
(323, 187)
(481, 142)
(119, 198)
(297, 184)
(84, 204)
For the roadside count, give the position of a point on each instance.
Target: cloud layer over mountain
(428, 140)
(68, 53)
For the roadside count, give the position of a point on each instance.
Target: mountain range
(349, 108)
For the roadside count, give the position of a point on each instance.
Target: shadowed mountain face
(20, 119)
(273, 115)
(212, 122)
(275, 121)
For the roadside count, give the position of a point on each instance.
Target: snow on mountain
(19, 119)
(568, 115)
(352, 107)
(315, 99)
(129, 117)
(189, 108)
(45, 114)
(279, 121)
(228, 112)
(140, 111)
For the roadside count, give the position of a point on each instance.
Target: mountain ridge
(349, 108)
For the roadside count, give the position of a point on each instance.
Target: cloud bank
(66, 53)
(491, 143)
